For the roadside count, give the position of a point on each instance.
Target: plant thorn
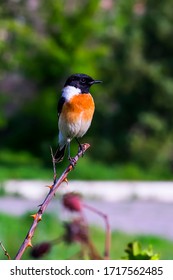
(34, 216)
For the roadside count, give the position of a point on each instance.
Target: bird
(75, 112)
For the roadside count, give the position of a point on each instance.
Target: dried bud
(76, 231)
(40, 250)
(72, 201)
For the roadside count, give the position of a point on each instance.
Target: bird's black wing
(60, 104)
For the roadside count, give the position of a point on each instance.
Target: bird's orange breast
(81, 104)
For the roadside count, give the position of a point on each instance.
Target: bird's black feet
(72, 161)
(81, 149)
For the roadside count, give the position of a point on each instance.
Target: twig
(108, 231)
(93, 253)
(38, 216)
(54, 166)
(5, 251)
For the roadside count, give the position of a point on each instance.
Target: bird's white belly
(83, 128)
(74, 129)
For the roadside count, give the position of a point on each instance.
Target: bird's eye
(83, 80)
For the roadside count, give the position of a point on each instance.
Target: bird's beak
(95, 82)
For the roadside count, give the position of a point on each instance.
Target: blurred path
(131, 216)
(106, 190)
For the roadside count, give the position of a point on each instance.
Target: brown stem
(5, 251)
(38, 216)
(93, 253)
(108, 231)
(54, 166)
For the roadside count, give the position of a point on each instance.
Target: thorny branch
(38, 216)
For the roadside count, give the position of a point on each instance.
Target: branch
(38, 216)
(108, 231)
(5, 251)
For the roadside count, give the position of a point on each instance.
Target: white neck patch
(69, 91)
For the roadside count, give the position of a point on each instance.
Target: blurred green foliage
(134, 251)
(127, 44)
(14, 229)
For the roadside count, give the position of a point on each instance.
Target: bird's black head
(81, 81)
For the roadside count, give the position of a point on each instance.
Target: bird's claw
(81, 149)
(72, 161)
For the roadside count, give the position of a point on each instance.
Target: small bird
(75, 111)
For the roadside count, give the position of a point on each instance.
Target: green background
(126, 44)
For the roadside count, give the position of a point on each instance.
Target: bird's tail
(59, 154)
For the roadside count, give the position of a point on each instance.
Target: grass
(13, 230)
(24, 166)
(21, 166)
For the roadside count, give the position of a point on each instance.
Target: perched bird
(75, 111)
